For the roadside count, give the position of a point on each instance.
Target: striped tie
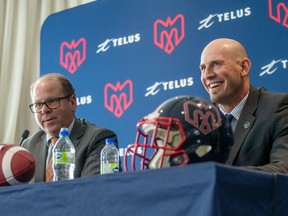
(49, 169)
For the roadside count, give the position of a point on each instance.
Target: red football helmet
(182, 130)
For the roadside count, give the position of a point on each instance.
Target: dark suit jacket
(88, 140)
(261, 134)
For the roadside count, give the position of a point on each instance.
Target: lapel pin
(246, 125)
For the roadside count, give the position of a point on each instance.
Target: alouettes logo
(168, 34)
(278, 11)
(117, 98)
(73, 54)
(206, 117)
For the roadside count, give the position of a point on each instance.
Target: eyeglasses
(51, 104)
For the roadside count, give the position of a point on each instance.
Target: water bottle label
(64, 157)
(108, 168)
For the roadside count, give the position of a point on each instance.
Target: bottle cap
(110, 141)
(64, 132)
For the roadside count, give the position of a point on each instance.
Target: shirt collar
(236, 111)
(48, 136)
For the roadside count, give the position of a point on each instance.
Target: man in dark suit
(54, 106)
(260, 118)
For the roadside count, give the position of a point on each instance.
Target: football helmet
(182, 130)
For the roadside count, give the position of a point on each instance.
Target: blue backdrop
(126, 57)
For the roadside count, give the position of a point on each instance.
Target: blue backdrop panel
(204, 189)
(126, 57)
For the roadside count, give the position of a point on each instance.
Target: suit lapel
(77, 131)
(244, 124)
(41, 148)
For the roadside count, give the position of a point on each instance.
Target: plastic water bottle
(109, 159)
(63, 157)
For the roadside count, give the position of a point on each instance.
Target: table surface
(198, 189)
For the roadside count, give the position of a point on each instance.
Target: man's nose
(45, 109)
(208, 73)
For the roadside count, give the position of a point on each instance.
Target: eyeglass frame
(50, 100)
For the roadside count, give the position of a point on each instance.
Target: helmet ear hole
(202, 150)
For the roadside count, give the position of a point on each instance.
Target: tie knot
(229, 117)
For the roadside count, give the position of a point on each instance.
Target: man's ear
(246, 65)
(73, 101)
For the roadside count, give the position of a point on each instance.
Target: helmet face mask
(181, 130)
(166, 139)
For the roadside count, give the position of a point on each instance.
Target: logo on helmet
(118, 98)
(73, 54)
(206, 117)
(166, 31)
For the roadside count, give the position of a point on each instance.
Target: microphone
(25, 134)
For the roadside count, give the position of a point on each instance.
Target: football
(17, 165)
